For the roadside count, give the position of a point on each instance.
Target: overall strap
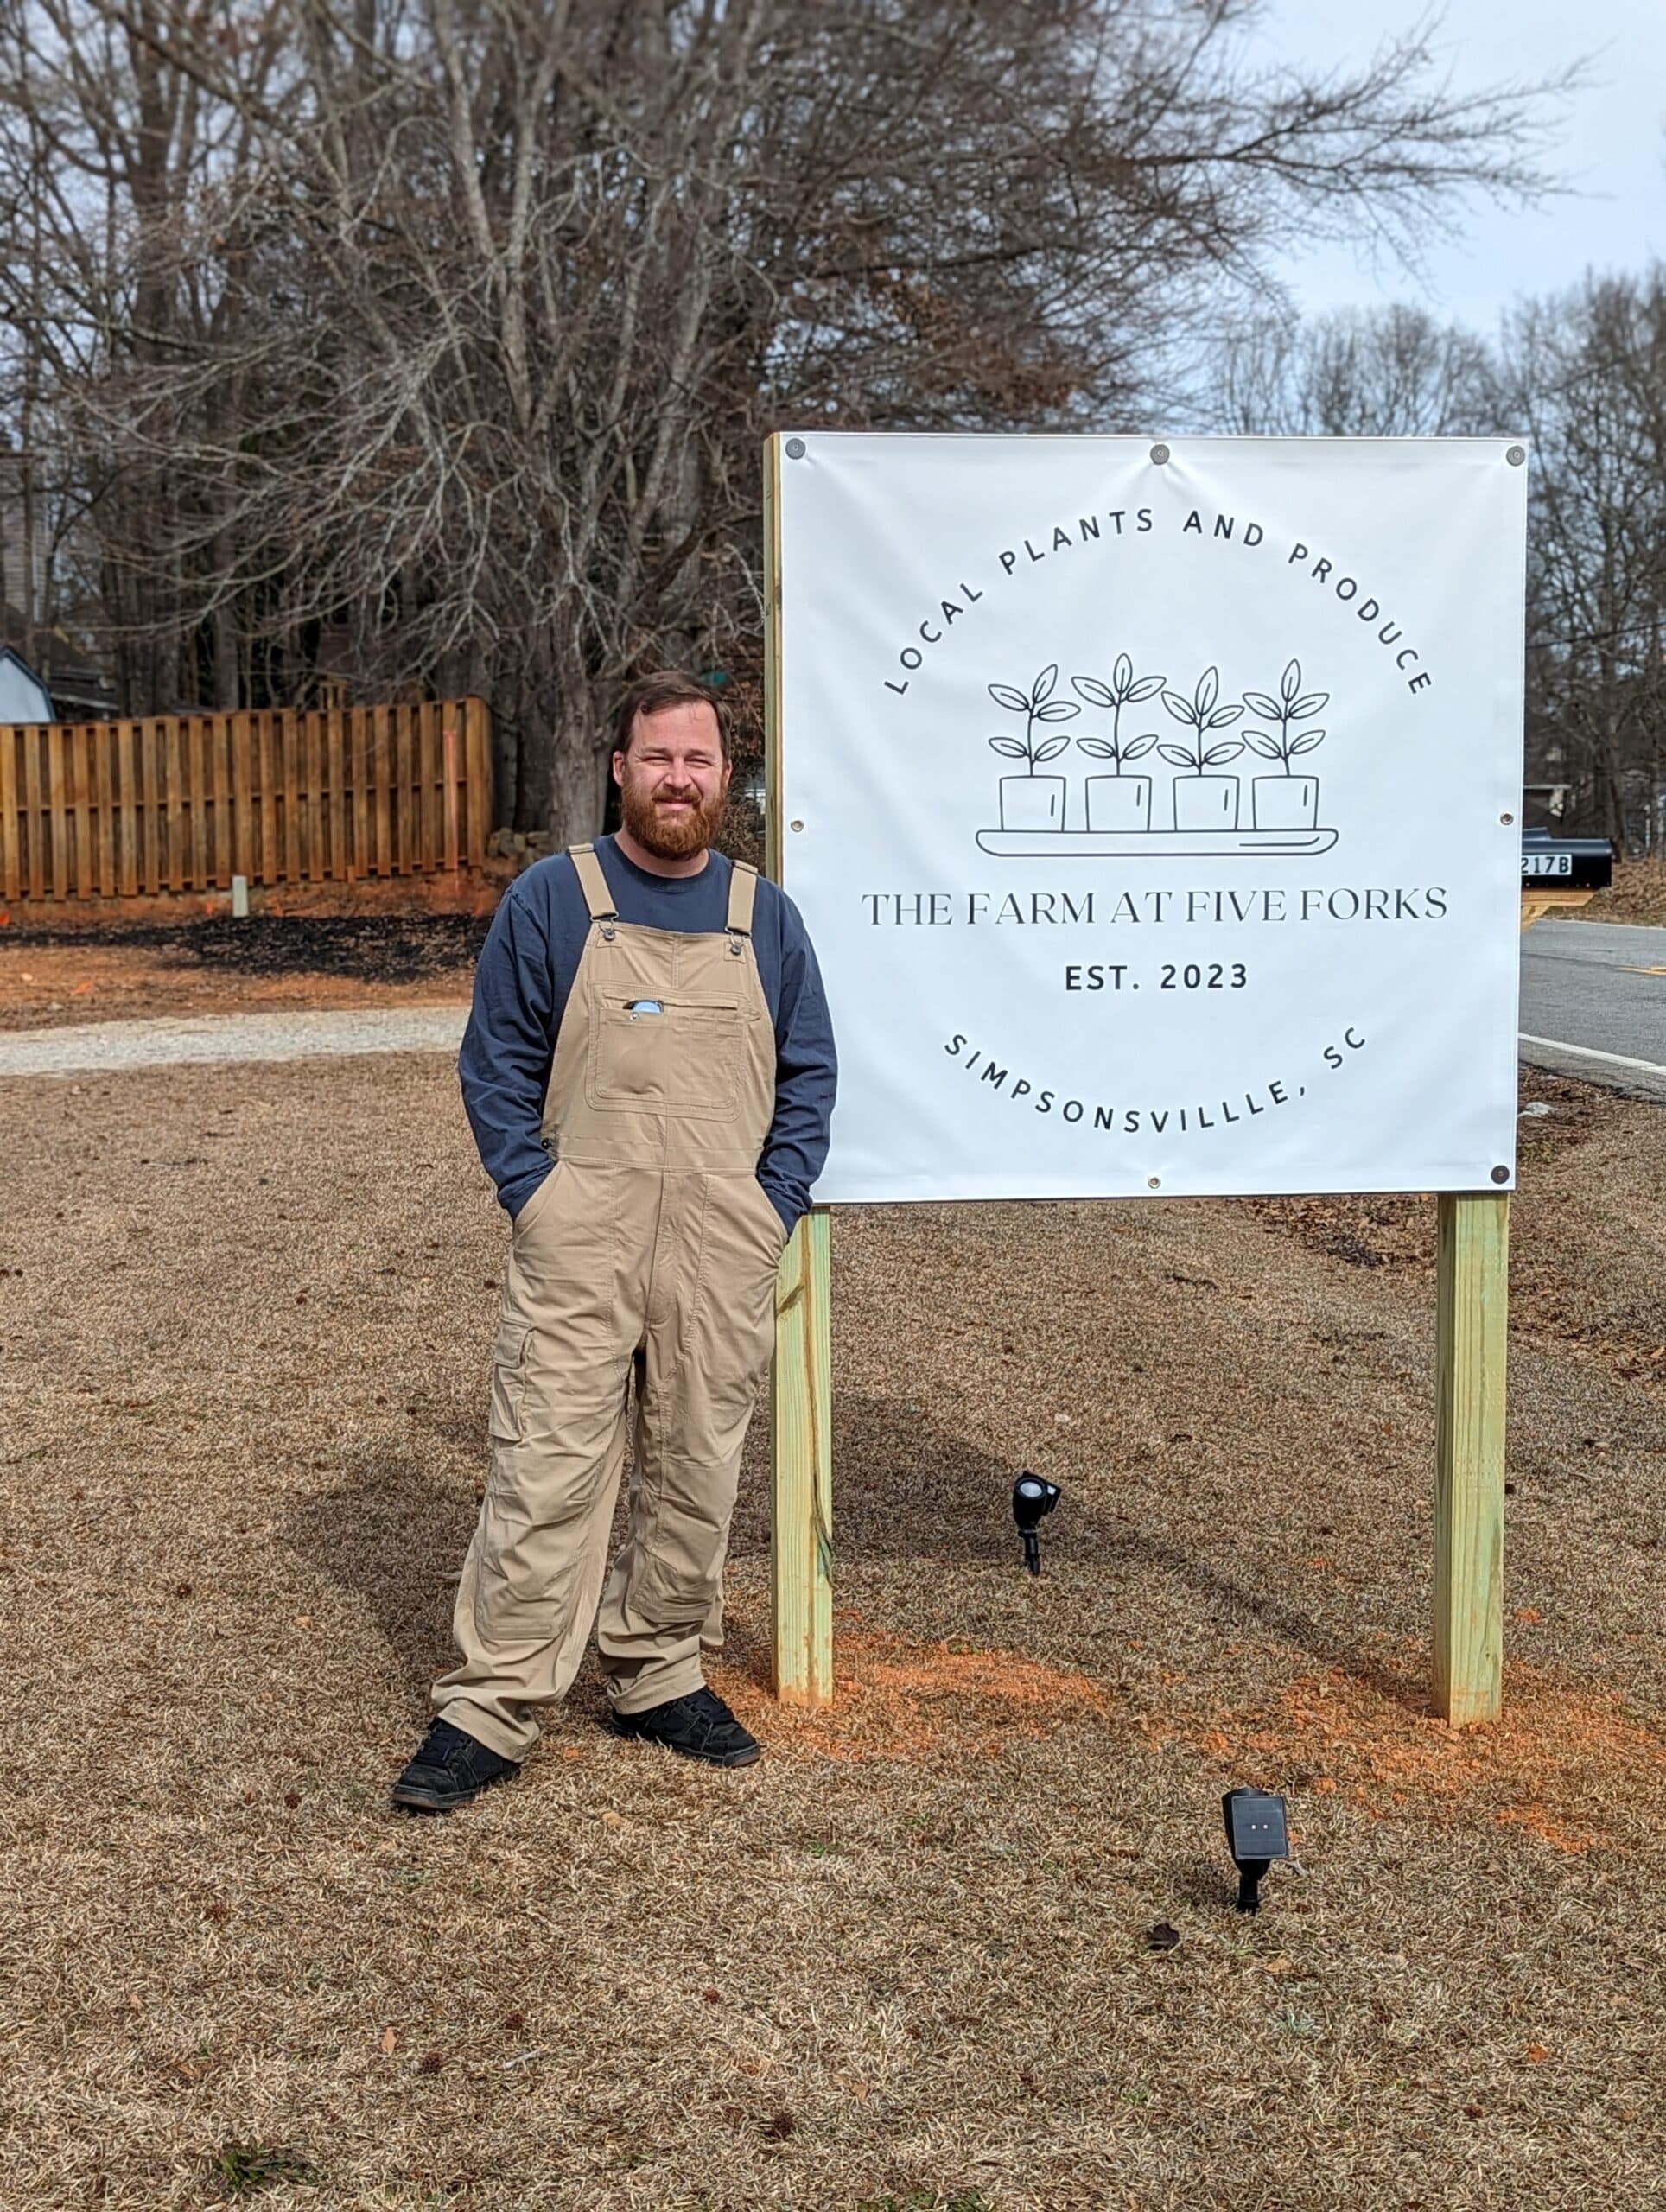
(593, 883)
(742, 890)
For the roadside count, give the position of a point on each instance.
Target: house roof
(10, 658)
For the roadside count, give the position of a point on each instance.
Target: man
(649, 1072)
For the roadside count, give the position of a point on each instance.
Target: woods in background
(427, 345)
(1581, 378)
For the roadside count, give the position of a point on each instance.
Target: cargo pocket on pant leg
(505, 1423)
(501, 1519)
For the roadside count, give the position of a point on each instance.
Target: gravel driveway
(174, 1041)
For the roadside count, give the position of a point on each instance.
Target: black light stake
(1033, 1498)
(1256, 1834)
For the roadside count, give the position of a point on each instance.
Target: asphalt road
(1593, 1003)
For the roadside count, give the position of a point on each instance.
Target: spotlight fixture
(1033, 1498)
(1256, 1834)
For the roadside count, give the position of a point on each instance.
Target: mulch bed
(916, 1958)
(53, 976)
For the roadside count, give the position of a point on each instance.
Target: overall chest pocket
(684, 1058)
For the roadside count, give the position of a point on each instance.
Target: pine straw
(903, 1962)
(53, 977)
(1638, 894)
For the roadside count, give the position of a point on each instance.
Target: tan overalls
(651, 1244)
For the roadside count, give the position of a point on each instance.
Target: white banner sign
(1154, 809)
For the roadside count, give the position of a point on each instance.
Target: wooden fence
(186, 802)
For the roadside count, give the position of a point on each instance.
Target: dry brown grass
(902, 1962)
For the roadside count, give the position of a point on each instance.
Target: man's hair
(667, 687)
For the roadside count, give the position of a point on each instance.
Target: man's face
(673, 779)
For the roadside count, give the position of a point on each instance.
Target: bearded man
(649, 1072)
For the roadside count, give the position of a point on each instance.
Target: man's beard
(669, 838)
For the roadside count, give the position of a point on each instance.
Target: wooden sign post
(801, 1389)
(1472, 1308)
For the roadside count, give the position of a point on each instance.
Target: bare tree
(1584, 375)
(1387, 372)
(431, 340)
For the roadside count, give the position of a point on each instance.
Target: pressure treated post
(801, 1550)
(1470, 1330)
(801, 1390)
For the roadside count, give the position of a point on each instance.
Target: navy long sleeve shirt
(526, 969)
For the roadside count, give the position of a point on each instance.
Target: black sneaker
(449, 1770)
(700, 1726)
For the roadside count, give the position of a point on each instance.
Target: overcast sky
(1611, 145)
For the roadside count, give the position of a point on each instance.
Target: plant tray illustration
(1207, 808)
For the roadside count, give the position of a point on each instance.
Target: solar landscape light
(1256, 1834)
(1033, 1498)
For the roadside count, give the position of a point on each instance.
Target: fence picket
(57, 800)
(218, 734)
(127, 811)
(239, 744)
(333, 734)
(147, 762)
(404, 845)
(316, 815)
(35, 846)
(10, 840)
(195, 765)
(289, 737)
(477, 772)
(63, 780)
(78, 767)
(413, 786)
(381, 766)
(103, 782)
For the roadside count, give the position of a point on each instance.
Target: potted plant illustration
(1117, 801)
(1285, 801)
(1203, 801)
(1033, 801)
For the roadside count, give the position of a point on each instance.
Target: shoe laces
(446, 1746)
(707, 1704)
